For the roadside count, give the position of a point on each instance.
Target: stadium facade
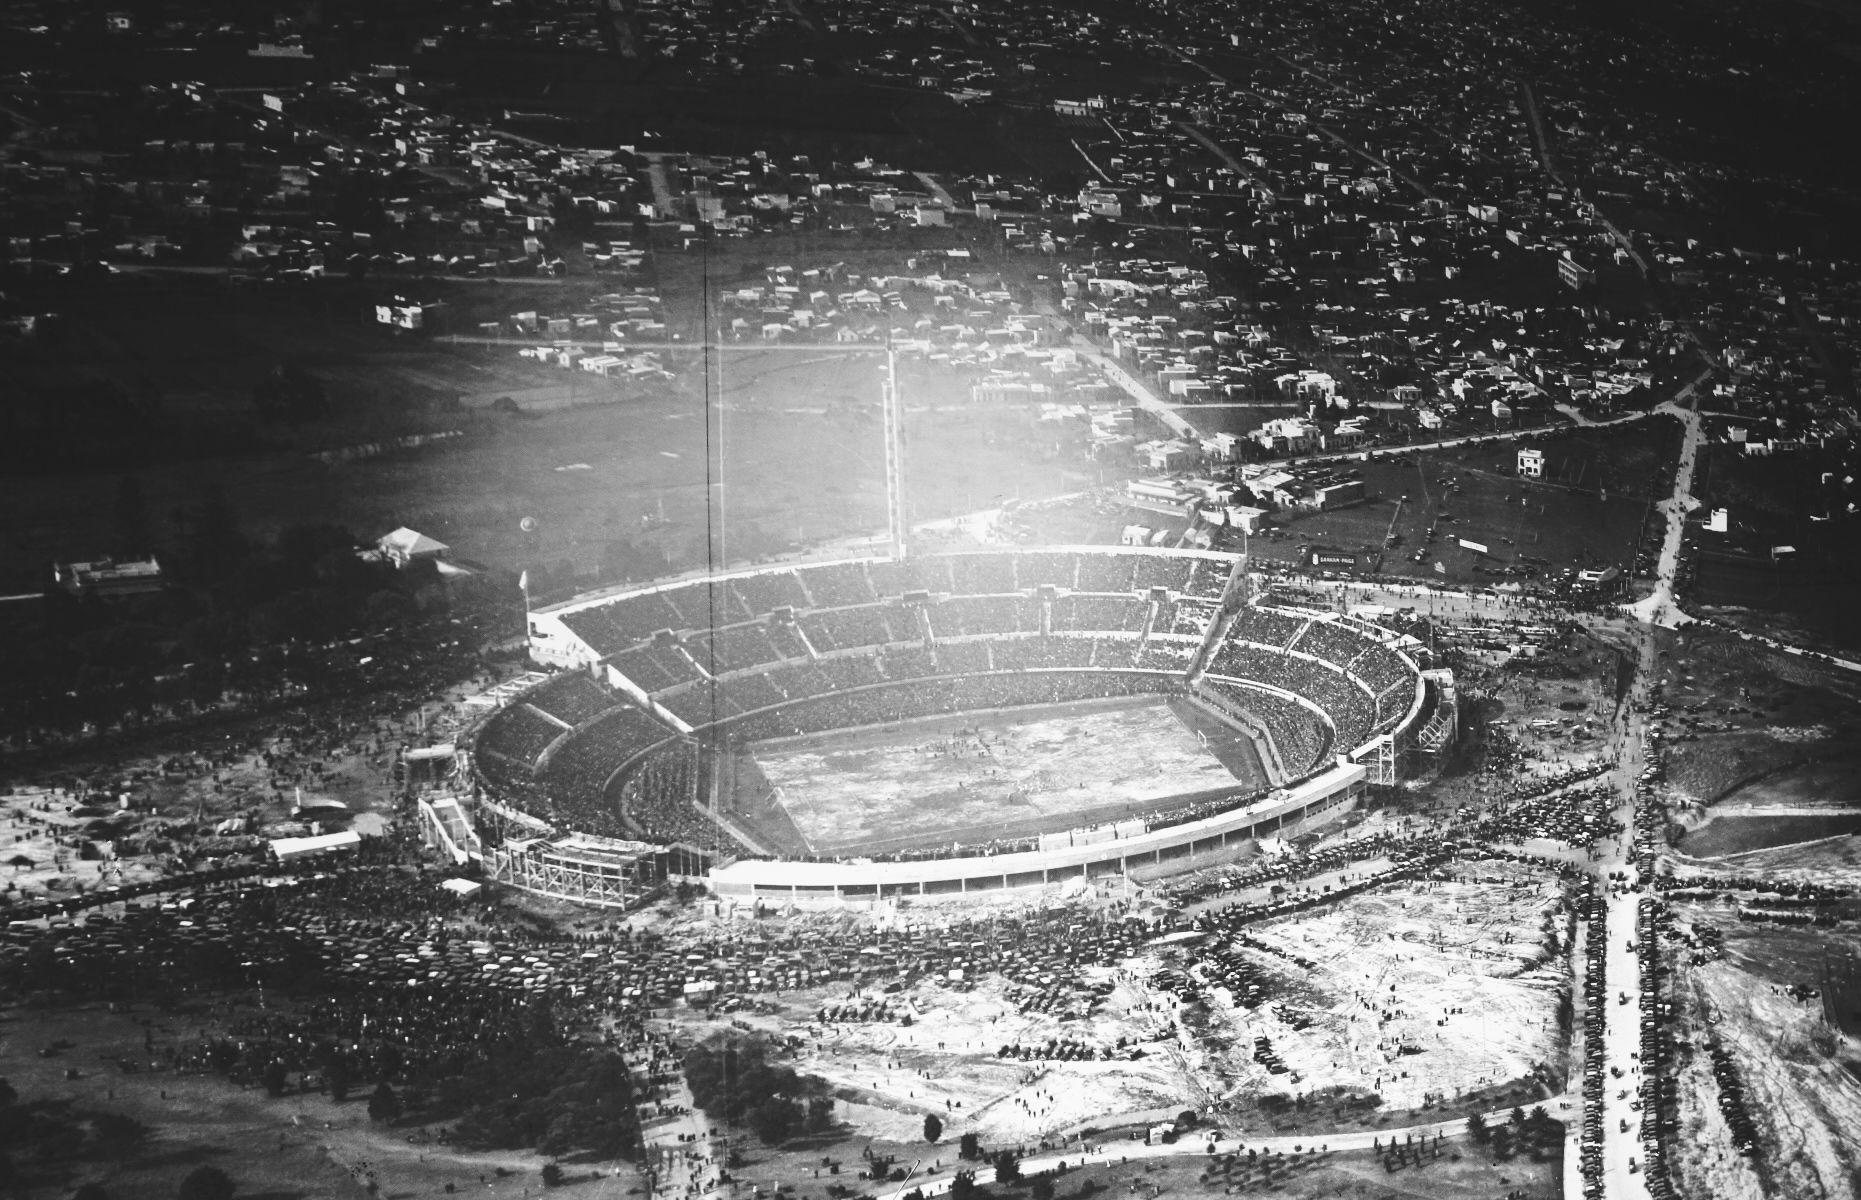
(610, 765)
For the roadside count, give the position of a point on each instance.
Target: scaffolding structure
(576, 867)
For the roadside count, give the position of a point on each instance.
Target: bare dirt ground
(945, 1062)
(1473, 992)
(1797, 1075)
(1419, 994)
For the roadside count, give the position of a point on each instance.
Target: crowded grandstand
(622, 743)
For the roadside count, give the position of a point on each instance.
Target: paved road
(1232, 163)
(1659, 607)
(1356, 148)
(1537, 132)
(938, 190)
(1621, 1124)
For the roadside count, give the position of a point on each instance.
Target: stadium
(935, 726)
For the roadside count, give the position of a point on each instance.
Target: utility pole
(897, 526)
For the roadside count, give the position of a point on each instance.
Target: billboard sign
(1331, 558)
(1476, 547)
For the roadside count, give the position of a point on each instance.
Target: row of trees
(1536, 1134)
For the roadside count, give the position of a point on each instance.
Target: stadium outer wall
(1316, 799)
(1322, 798)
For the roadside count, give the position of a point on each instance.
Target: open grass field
(973, 777)
(1739, 714)
(1587, 512)
(786, 457)
(298, 1147)
(791, 452)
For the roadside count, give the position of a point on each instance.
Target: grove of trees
(732, 1080)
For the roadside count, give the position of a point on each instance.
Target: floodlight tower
(896, 526)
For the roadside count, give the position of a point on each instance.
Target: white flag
(523, 582)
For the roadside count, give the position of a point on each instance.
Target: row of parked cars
(1594, 906)
(1659, 1119)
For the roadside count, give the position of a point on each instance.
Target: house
(1222, 445)
(1337, 495)
(1531, 463)
(1247, 518)
(1166, 455)
(1288, 435)
(1272, 487)
(405, 546)
(1573, 274)
(109, 579)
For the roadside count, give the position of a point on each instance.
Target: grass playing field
(972, 777)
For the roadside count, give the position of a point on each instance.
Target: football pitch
(976, 776)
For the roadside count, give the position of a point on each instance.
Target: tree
(820, 1114)
(383, 1104)
(275, 1078)
(338, 1078)
(969, 1146)
(963, 1186)
(216, 547)
(1042, 1188)
(1007, 1167)
(1517, 1117)
(552, 1175)
(774, 1120)
(133, 539)
(1476, 1129)
(206, 1183)
(933, 1127)
(118, 1133)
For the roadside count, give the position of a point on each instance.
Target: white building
(1531, 463)
(405, 545)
